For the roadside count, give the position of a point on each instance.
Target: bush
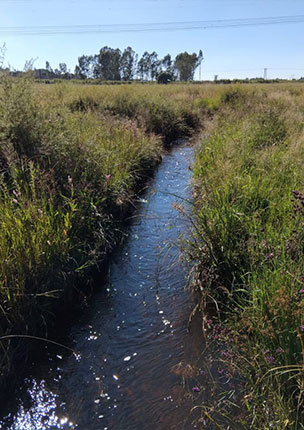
(165, 78)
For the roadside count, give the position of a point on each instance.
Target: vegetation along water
(75, 159)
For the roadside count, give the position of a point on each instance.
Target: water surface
(134, 353)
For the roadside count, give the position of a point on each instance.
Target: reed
(248, 245)
(71, 160)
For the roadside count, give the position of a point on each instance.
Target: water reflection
(41, 413)
(133, 346)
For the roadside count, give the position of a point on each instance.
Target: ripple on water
(128, 341)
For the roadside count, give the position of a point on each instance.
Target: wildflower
(17, 193)
(279, 350)
(302, 327)
(70, 180)
(15, 200)
(302, 290)
(270, 359)
(108, 176)
(196, 389)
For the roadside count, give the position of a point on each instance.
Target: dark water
(134, 353)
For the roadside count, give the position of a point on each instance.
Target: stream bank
(133, 351)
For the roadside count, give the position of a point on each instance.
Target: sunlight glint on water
(131, 337)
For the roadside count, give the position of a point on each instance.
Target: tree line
(116, 65)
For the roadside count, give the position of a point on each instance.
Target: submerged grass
(248, 245)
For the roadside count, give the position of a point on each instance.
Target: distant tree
(108, 64)
(141, 68)
(186, 64)
(154, 65)
(77, 73)
(165, 78)
(29, 65)
(63, 68)
(85, 67)
(112, 64)
(48, 67)
(128, 62)
(148, 66)
(167, 64)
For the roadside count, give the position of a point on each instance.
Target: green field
(72, 158)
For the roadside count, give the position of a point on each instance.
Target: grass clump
(72, 158)
(248, 244)
(67, 179)
(156, 114)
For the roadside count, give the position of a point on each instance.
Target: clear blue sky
(228, 52)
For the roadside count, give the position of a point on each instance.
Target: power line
(253, 70)
(149, 27)
(145, 1)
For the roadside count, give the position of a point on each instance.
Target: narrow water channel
(132, 344)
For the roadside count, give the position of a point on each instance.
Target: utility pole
(265, 73)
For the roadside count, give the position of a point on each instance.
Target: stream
(132, 366)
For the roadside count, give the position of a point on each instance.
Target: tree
(85, 67)
(48, 67)
(63, 68)
(29, 65)
(141, 68)
(108, 64)
(186, 64)
(155, 65)
(167, 64)
(128, 63)
(148, 66)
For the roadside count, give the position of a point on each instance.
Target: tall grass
(248, 245)
(71, 160)
(67, 179)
